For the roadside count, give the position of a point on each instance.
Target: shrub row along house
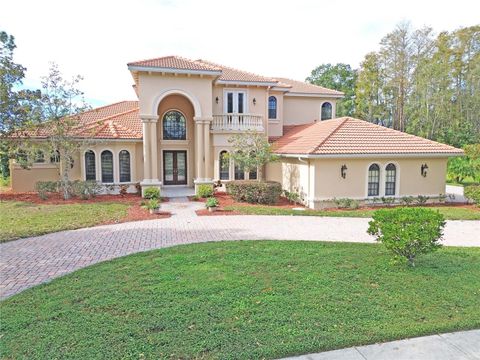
(177, 134)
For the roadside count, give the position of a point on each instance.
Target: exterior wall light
(423, 170)
(216, 99)
(343, 171)
(254, 101)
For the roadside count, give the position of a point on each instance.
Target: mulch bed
(135, 211)
(225, 200)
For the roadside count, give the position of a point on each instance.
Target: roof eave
(240, 82)
(370, 156)
(174, 70)
(320, 95)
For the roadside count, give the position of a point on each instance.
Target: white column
(207, 147)
(199, 149)
(146, 150)
(154, 155)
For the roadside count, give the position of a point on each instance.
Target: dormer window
(272, 107)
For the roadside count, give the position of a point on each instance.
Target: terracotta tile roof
(116, 121)
(175, 62)
(232, 74)
(349, 136)
(306, 88)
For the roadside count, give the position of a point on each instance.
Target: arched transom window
(224, 166)
(107, 166)
(373, 180)
(124, 166)
(90, 172)
(326, 111)
(390, 179)
(272, 107)
(174, 126)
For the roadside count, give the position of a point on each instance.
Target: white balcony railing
(237, 122)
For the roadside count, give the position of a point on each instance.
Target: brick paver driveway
(28, 262)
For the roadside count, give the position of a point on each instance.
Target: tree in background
(17, 106)
(340, 77)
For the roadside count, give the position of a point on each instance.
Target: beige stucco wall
(153, 87)
(24, 179)
(303, 110)
(320, 180)
(275, 126)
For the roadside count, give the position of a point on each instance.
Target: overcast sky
(285, 38)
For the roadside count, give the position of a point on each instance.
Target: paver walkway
(31, 261)
(462, 345)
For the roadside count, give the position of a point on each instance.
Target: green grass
(23, 219)
(450, 213)
(242, 300)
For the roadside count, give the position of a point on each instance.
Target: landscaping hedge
(472, 193)
(257, 192)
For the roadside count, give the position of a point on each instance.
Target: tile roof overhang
(353, 138)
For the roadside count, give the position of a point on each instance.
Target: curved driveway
(31, 261)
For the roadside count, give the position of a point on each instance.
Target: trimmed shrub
(422, 200)
(408, 232)
(292, 196)
(45, 187)
(152, 193)
(86, 189)
(211, 202)
(255, 192)
(205, 190)
(472, 193)
(407, 200)
(152, 204)
(346, 203)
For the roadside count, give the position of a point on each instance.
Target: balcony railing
(237, 122)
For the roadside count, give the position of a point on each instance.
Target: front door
(175, 167)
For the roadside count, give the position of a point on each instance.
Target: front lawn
(450, 212)
(242, 300)
(23, 219)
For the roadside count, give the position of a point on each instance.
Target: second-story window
(235, 102)
(272, 107)
(326, 111)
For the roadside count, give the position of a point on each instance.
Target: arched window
(90, 172)
(224, 166)
(174, 126)
(373, 180)
(107, 166)
(390, 179)
(272, 107)
(326, 111)
(124, 166)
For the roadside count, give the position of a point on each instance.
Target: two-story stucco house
(177, 134)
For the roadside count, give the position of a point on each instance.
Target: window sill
(273, 120)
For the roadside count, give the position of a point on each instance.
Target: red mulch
(226, 200)
(135, 211)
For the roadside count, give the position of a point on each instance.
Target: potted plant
(211, 204)
(153, 205)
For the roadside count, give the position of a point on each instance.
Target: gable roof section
(301, 87)
(353, 137)
(116, 121)
(228, 75)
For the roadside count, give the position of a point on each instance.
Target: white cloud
(289, 38)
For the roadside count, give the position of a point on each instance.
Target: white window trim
(131, 173)
(229, 165)
(397, 178)
(82, 164)
(161, 126)
(235, 100)
(275, 119)
(321, 106)
(381, 189)
(114, 164)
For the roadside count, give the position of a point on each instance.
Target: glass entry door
(175, 167)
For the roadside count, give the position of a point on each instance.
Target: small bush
(152, 193)
(407, 200)
(256, 192)
(472, 193)
(422, 200)
(442, 198)
(292, 196)
(408, 232)
(346, 203)
(123, 190)
(388, 200)
(211, 202)
(152, 204)
(45, 187)
(205, 191)
(86, 189)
